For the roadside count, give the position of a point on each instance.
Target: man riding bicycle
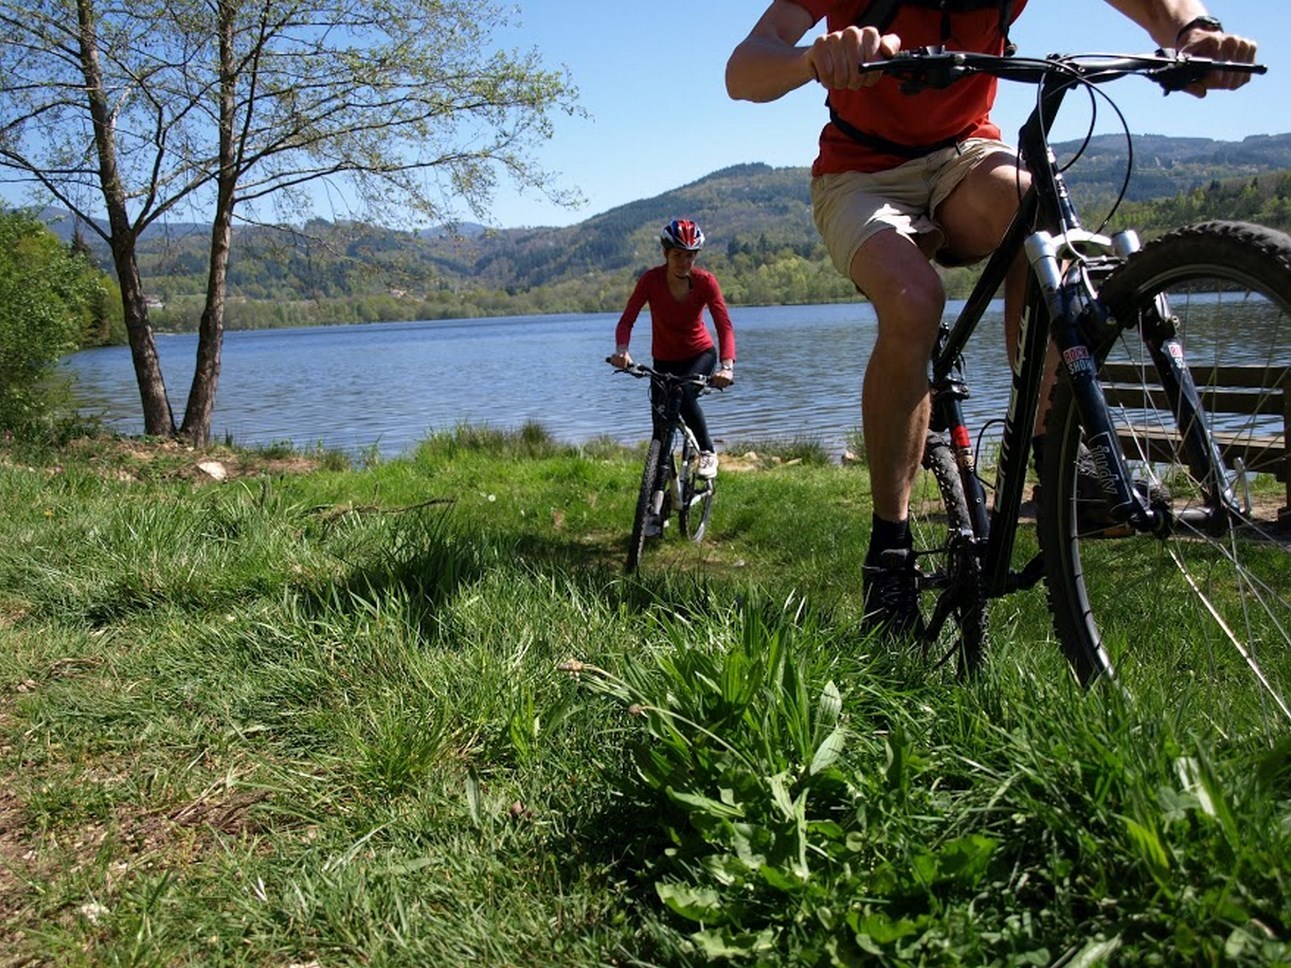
(677, 294)
(904, 179)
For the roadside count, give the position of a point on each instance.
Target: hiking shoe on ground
(890, 596)
(653, 526)
(707, 465)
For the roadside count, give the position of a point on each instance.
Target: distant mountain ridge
(756, 201)
(742, 207)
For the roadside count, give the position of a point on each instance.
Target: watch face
(1206, 23)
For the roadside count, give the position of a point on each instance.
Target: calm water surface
(387, 386)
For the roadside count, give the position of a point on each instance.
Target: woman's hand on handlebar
(836, 58)
(620, 360)
(723, 378)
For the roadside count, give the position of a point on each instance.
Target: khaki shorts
(850, 207)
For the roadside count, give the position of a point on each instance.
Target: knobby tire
(649, 480)
(944, 551)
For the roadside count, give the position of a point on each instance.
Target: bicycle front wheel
(696, 497)
(1202, 612)
(649, 505)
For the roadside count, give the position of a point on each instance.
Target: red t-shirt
(677, 325)
(960, 110)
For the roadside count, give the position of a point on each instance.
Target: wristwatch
(1204, 23)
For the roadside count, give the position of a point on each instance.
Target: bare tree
(142, 110)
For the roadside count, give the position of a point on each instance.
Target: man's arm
(768, 64)
(1167, 23)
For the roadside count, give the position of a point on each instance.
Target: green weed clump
(814, 807)
(413, 713)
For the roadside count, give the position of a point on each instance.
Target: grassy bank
(414, 714)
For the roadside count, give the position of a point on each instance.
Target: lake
(384, 386)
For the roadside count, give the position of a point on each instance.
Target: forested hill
(763, 244)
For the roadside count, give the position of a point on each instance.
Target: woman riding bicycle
(677, 293)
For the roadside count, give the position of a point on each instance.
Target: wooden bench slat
(1252, 375)
(1215, 401)
(1243, 389)
(1261, 454)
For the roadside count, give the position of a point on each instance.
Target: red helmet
(681, 233)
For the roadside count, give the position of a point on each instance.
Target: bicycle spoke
(1236, 642)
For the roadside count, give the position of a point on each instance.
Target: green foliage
(799, 821)
(49, 300)
(413, 713)
(1262, 199)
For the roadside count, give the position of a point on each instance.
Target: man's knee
(895, 275)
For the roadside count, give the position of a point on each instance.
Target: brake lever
(1187, 70)
(923, 77)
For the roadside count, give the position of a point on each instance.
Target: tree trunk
(157, 417)
(158, 420)
(210, 335)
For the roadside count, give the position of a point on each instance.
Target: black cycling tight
(701, 365)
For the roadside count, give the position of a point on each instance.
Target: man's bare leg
(908, 299)
(975, 217)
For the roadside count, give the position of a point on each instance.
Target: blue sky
(650, 77)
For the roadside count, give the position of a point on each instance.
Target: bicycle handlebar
(640, 370)
(935, 67)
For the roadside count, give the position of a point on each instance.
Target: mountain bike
(670, 479)
(1180, 532)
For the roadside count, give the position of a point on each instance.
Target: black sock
(885, 536)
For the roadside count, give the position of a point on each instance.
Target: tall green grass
(415, 714)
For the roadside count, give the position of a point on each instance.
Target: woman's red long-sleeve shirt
(677, 325)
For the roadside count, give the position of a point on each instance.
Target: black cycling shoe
(890, 597)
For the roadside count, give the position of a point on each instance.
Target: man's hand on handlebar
(835, 58)
(1217, 46)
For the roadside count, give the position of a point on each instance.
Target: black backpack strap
(890, 147)
(1006, 21)
(879, 13)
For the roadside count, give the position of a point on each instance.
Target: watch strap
(1204, 22)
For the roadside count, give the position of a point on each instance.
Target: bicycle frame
(667, 410)
(1060, 305)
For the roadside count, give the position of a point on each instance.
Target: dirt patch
(753, 461)
(135, 459)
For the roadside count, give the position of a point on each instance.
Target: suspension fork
(1068, 320)
(1157, 325)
